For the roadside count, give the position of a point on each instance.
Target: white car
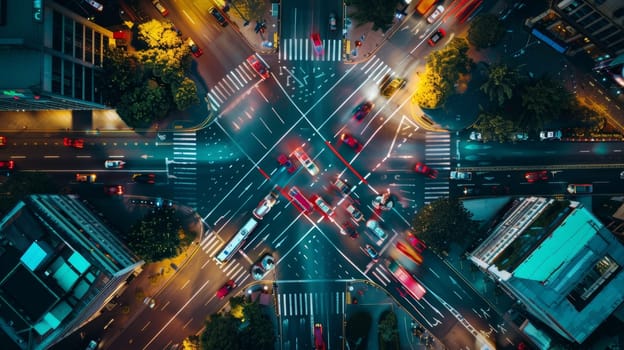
(325, 209)
(114, 164)
(96, 5)
(436, 14)
(265, 205)
(550, 135)
(306, 161)
(373, 225)
(475, 136)
(461, 175)
(356, 214)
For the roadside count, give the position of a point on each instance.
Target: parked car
(218, 16)
(75, 143)
(163, 11)
(355, 213)
(425, 170)
(534, 176)
(371, 252)
(285, 161)
(373, 225)
(317, 44)
(363, 110)
(226, 289)
(550, 135)
(258, 66)
(435, 15)
(436, 37)
(351, 141)
(2, 140)
(519, 136)
(96, 5)
(90, 178)
(114, 164)
(475, 136)
(195, 50)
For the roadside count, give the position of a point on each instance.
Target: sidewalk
(265, 41)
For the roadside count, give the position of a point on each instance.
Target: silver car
(114, 164)
(373, 225)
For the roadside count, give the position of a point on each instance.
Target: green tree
(142, 105)
(221, 332)
(379, 12)
(22, 184)
(501, 83)
(121, 72)
(388, 330)
(543, 102)
(442, 72)
(158, 236)
(250, 9)
(191, 342)
(485, 31)
(260, 333)
(444, 221)
(185, 94)
(494, 127)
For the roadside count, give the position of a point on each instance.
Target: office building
(60, 265)
(51, 58)
(593, 27)
(559, 261)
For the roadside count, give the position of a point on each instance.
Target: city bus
(410, 284)
(236, 242)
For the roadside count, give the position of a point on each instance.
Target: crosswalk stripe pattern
(184, 167)
(310, 304)
(235, 80)
(303, 50)
(376, 69)
(212, 245)
(382, 275)
(437, 156)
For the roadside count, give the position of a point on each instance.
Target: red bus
(406, 279)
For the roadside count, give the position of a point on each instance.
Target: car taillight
(11, 164)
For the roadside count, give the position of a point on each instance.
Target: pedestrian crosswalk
(381, 274)
(183, 168)
(234, 269)
(311, 303)
(235, 80)
(437, 156)
(303, 50)
(376, 69)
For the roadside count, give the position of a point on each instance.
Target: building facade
(559, 261)
(51, 57)
(595, 27)
(60, 266)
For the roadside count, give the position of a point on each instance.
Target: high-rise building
(559, 261)
(59, 266)
(595, 27)
(51, 58)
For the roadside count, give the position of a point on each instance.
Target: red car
(114, 190)
(436, 36)
(76, 143)
(534, 176)
(7, 164)
(226, 289)
(409, 252)
(351, 141)
(419, 245)
(285, 161)
(195, 50)
(318, 45)
(362, 111)
(2, 140)
(425, 170)
(349, 229)
(258, 66)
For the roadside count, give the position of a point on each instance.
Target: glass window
(68, 69)
(602, 23)
(78, 37)
(88, 45)
(57, 30)
(78, 81)
(97, 49)
(68, 36)
(56, 75)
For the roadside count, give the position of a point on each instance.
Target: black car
(218, 16)
(144, 178)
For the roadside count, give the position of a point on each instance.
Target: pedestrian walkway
(437, 156)
(237, 79)
(303, 50)
(311, 303)
(376, 69)
(381, 274)
(211, 244)
(183, 168)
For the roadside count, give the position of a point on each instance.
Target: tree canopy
(379, 12)
(485, 31)
(221, 332)
(501, 82)
(444, 221)
(22, 184)
(442, 71)
(144, 85)
(159, 235)
(543, 101)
